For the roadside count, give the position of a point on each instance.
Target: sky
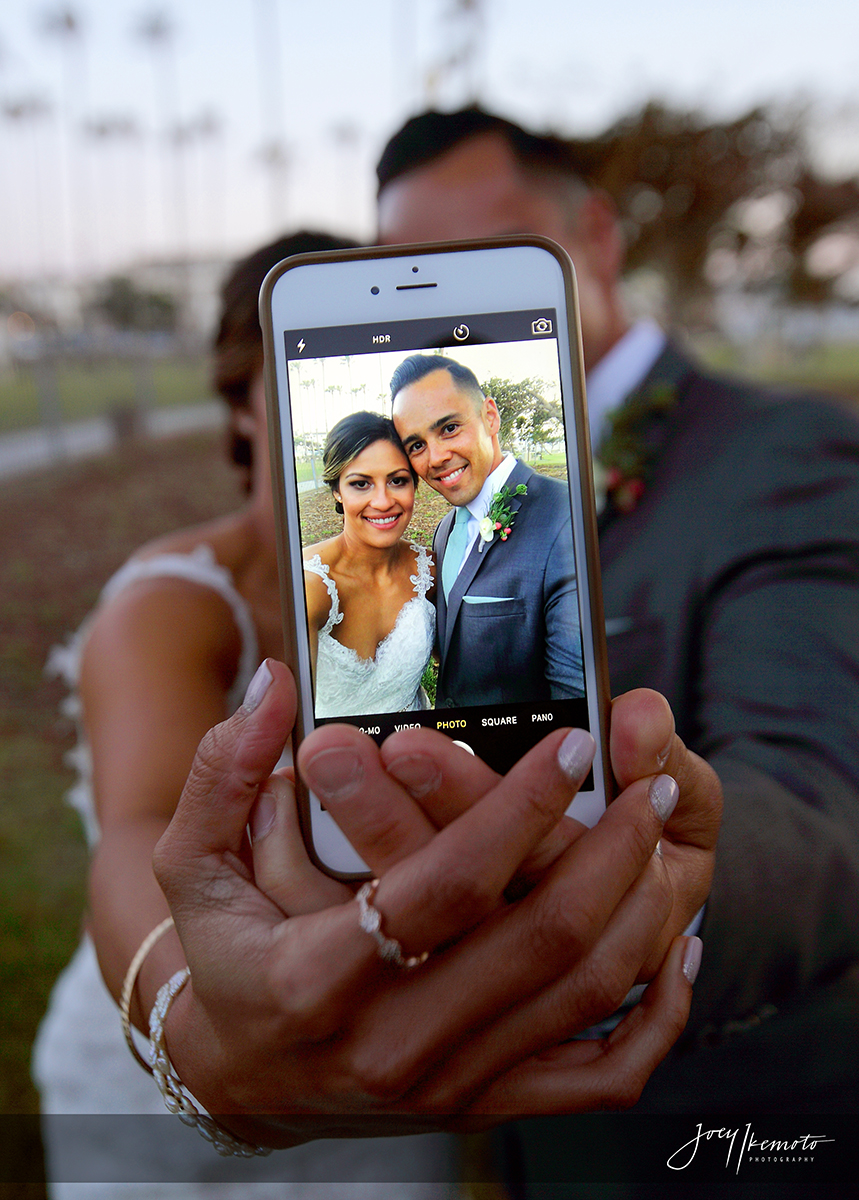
(93, 176)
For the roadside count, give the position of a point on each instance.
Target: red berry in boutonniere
(627, 494)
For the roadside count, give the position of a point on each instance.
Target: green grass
(80, 389)
(547, 460)
(304, 472)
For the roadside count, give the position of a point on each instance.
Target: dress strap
(422, 580)
(198, 566)
(316, 566)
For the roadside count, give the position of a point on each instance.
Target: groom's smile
(447, 479)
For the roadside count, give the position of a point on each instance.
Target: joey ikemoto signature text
(798, 1149)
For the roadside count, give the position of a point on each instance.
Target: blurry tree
(824, 209)
(707, 202)
(457, 75)
(157, 30)
(68, 28)
(127, 307)
(274, 153)
(526, 415)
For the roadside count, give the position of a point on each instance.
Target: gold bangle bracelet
(128, 986)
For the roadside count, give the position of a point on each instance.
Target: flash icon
(301, 346)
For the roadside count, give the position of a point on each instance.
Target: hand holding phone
(313, 1027)
(433, 492)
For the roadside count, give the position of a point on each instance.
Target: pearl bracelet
(173, 1091)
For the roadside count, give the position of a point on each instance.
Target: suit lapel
(442, 534)
(476, 557)
(667, 375)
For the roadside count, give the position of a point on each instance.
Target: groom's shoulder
(544, 510)
(542, 487)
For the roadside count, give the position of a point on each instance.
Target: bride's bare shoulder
(317, 580)
(228, 537)
(327, 552)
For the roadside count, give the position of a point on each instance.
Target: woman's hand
(292, 1024)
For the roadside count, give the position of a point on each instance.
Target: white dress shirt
(619, 372)
(479, 506)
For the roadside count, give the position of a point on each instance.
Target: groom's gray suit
(509, 630)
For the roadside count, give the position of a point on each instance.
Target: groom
(506, 600)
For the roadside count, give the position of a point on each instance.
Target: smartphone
(476, 513)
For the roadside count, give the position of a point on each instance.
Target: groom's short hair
(417, 366)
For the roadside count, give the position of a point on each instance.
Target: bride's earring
(338, 503)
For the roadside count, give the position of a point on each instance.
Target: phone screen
(482, 617)
(517, 577)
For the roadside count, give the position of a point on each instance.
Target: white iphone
(434, 502)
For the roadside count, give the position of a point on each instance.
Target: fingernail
(334, 774)
(576, 753)
(663, 794)
(692, 958)
(257, 688)
(662, 756)
(418, 774)
(262, 816)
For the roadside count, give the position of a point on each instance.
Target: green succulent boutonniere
(499, 520)
(624, 461)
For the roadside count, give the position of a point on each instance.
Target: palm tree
(27, 113)
(273, 153)
(116, 193)
(157, 31)
(66, 26)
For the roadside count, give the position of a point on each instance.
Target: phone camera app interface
(439, 575)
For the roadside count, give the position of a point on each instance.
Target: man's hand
(443, 781)
(291, 1012)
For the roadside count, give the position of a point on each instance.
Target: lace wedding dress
(347, 685)
(106, 1132)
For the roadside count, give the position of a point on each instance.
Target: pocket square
(487, 599)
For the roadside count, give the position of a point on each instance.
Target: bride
(370, 617)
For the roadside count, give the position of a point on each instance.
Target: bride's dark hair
(349, 437)
(238, 342)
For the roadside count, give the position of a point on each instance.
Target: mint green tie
(454, 551)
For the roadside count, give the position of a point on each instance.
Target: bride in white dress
(370, 615)
(167, 653)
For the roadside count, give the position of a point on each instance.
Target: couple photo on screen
(494, 603)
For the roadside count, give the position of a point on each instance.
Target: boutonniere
(624, 461)
(500, 517)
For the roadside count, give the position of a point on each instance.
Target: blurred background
(143, 147)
